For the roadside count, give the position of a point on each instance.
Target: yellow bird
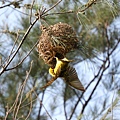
(68, 73)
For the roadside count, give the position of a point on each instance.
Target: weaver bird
(68, 73)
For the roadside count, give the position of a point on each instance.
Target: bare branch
(31, 10)
(40, 108)
(43, 106)
(99, 74)
(109, 109)
(17, 103)
(53, 6)
(19, 46)
(23, 58)
(15, 3)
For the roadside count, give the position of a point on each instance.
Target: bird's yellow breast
(60, 67)
(51, 71)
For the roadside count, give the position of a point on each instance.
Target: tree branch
(19, 46)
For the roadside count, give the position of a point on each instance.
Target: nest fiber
(56, 41)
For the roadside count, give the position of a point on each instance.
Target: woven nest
(56, 41)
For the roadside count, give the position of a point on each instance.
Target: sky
(10, 17)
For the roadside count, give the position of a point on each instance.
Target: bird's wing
(72, 79)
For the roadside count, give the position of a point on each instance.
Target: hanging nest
(56, 41)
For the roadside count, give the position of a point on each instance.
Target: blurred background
(96, 60)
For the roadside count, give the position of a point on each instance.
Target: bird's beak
(65, 59)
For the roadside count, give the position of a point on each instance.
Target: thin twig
(31, 10)
(13, 47)
(98, 74)
(19, 46)
(43, 106)
(11, 3)
(64, 104)
(8, 111)
(109, 109)
(23, 86)
(107, 61)
(87, 5)
(30, 109)
(53, 6)
(70, 11)
(40, 108)
(23, 58)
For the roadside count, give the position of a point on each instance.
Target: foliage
(23, 72)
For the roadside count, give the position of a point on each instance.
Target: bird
(67, 72)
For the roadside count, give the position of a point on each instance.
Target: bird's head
(63, 60)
